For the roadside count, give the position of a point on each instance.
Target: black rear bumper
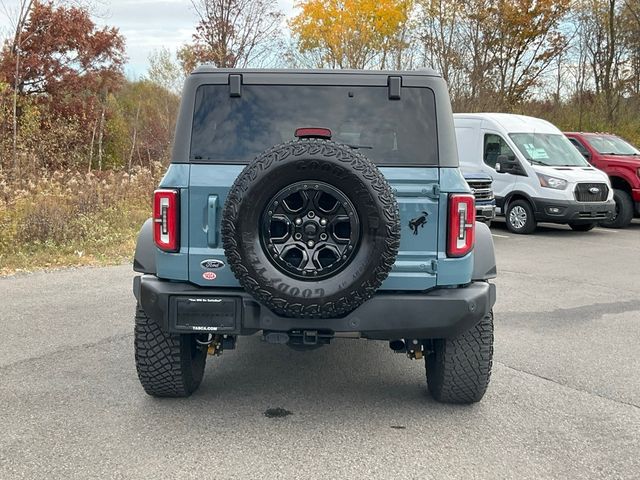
(440, 313)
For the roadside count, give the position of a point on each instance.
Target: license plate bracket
(215, 314)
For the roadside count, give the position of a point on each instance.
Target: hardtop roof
(204, 69)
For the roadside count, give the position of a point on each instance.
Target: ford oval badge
(212, 264)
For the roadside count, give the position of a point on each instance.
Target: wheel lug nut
(311, 214)
(298, 221)
(297, 236)
(323, 222)
(323, 236)
(310, 243)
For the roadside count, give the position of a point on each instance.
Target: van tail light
(166, 216)
(462, 225)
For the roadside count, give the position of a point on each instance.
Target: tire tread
(459, 368)
(160, 362)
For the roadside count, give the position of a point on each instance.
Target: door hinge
(432, 267)
(394, 85)
(235, 85)
(435, 191)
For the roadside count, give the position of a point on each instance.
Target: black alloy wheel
(310, 230)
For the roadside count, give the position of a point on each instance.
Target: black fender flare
(144, 260)
(509, 198)
(484, 256)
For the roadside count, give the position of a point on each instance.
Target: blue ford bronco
(304, 206)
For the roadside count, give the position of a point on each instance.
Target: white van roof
(512, 123)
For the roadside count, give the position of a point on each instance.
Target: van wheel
(520, 218)
(168, 364)
(459, 368)
(582, 227)
(624, 210)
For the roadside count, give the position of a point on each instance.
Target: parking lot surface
(564, 401)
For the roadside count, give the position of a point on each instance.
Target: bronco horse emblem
(419, 222)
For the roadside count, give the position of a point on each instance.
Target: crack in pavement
(68, 348)
(584, 312)
(575, 389)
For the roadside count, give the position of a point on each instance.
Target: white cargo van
(538, 176)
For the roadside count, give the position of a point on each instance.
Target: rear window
(236, 129)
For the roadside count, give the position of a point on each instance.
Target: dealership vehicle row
(540, 174)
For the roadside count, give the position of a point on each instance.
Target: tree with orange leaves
(351, 33)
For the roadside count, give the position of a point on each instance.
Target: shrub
(71, 217)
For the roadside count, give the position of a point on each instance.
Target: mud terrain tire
(168, 364)
(459, 368)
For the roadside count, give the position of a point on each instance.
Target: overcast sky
(146, 25)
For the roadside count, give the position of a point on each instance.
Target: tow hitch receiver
(309, 337)
(299, 337)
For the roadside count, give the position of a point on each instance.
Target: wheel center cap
(310, 229)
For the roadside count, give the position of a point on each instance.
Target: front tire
(582, 227)
(459, 368)
(168, 365)
(624, 210)
(520, 217)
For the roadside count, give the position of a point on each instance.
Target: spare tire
(311, 229)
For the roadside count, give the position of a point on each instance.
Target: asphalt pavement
(564, 400)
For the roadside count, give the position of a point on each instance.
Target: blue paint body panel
(414, 189)
(421, 263)
(207, 181)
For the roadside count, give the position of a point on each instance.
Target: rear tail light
(166, 208)
(462, 221)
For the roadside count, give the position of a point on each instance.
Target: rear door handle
(212, 221)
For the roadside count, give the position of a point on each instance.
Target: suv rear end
(309, 205)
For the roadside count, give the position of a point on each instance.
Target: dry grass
(68, 218)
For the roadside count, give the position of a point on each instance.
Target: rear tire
(459, 368)
(520, 217)
(168, 365)
(624, 210)
(582, 227)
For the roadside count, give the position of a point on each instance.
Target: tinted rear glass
(236, 129)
